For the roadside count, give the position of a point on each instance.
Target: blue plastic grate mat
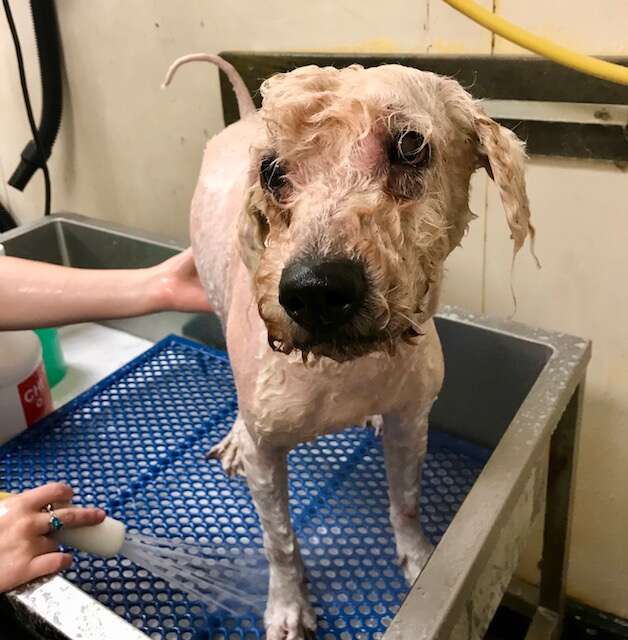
(136, 443)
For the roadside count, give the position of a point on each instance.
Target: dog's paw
(413, 552)
(376, 422)
(413, 548)
(228, 452)
(289, 618)
(413, 561)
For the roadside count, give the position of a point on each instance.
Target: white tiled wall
(129, 152)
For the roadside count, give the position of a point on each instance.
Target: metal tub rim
(79, 220)
(439, 596)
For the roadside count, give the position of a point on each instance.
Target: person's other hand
(26, 550)
(178, 286)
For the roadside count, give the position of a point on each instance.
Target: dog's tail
(245, 102)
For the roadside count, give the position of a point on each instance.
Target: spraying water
(220, 577)
(230, 579)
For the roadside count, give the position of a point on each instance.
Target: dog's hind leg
(405, 446)
(289, 615)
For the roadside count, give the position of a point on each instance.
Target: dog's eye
(271, 174)
(410, 147)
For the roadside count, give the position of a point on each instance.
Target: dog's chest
(293, 403)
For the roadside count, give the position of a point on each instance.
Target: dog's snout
(321, 295)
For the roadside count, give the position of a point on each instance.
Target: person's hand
(26, 550)
(178, 286)
(35, 294)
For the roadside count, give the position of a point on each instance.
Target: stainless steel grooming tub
(509, 387)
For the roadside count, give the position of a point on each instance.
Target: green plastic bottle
(54, 362)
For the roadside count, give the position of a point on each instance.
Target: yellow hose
(546, 48)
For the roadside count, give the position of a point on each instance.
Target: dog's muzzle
(322, 295)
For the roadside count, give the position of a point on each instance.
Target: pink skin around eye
(369, 154)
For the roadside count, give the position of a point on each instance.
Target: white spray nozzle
(104, 539)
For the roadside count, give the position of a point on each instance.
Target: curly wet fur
(329, 137)
(329, 130)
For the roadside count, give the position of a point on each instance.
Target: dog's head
(359, 191)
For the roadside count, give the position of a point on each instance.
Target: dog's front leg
(289, 615)
(405, 446)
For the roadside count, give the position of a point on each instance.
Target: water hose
(544, 47)
(7, 222)
(49, 53)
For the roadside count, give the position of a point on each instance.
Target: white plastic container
(24, 392)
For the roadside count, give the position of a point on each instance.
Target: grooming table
(135, 443)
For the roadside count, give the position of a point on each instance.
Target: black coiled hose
(49, 53)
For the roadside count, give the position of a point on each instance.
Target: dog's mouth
(343, 346)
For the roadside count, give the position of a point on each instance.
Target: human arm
(37, 294)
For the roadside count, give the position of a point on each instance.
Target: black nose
(321, 295)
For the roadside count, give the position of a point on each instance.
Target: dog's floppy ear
(503, 156)
(252, 231)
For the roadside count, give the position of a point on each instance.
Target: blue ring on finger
(54, 522)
